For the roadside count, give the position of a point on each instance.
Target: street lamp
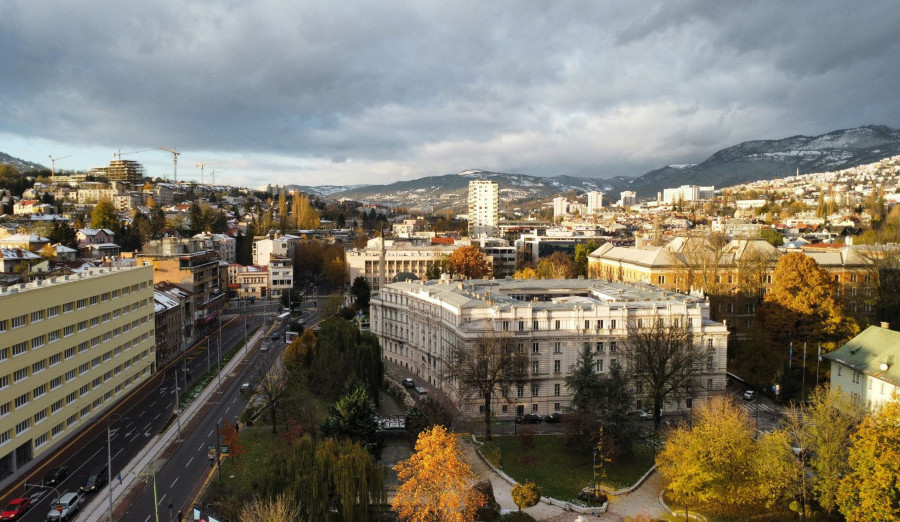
(149, 472)
(109, 481)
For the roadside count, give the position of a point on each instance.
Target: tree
(870, 490)
(662, 355)
(436, 483)
(425, 414)
(586, 388)
(469, 262)
(231, 437)
(104, 215)
(771, 235)
(361, 290)
(354, 417)
(525, 273)
(615, 401)
(801, 305)
(63, 233)
(280, 508)
(291, 298)
(526, 495)
(582, 251)
(305, 216)
(341, 349)
(271, 386)
(486, 370)
(557, 266)
(712, 461)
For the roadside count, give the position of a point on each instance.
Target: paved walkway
(642, 502)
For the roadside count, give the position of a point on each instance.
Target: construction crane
(201, 165)
(53, 164)
(175, 154)
(118, 155)
(214, 172)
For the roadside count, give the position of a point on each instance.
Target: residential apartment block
(69, 348)
(484, 208)
(552, 321)
(865, 368)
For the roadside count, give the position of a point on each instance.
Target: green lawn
(558, 469)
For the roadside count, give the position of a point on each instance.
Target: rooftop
(91, 273)
(874, 352)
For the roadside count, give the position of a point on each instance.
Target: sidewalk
(643, 501)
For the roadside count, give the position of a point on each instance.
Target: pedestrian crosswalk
(764, 408)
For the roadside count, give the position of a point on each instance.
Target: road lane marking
(161, 499)
(173, 483)
(190, 460)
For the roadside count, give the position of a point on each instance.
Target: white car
(65, 507)
(749, 395)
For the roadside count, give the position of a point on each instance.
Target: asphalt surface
(179, 476)
(132, 423)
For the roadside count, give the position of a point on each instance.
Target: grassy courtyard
(560, 470)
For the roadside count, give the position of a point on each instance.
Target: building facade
(865, 368)
(396, 257)
(552, 321)
(484, 208)
(69, 348)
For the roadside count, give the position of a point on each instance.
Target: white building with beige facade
(70, 347)
(552, 321)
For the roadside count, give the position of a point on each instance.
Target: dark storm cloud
(396, 89)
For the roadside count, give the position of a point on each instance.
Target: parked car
(529, 418)
(16, 508)
(640, 414)
(65, 507)
(409, 383)
(55, 476)
(95, 480)
(553, 418)
(749, 395)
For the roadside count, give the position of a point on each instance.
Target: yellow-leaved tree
(469, 262)
(436, 483)
(715, 460)
(871, 491)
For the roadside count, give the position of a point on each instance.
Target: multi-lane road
(132, 423)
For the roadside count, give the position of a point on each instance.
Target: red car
(15, 509)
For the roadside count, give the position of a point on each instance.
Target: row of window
(55, 310)
(42, 415)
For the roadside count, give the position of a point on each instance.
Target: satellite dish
(884, 366)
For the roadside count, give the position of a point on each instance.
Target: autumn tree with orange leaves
(469, 262)
(436, 483)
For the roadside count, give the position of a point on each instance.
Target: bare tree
(486, 369)
(271, 385)
(663, 358)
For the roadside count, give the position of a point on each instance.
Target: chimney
(886, 325)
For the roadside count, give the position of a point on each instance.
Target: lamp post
(152, 475)
(219, 347)
(178, 402)
(109, 481)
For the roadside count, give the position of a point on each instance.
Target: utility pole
(109, 481)
(152, 475)
(219, 346)
(178, 402)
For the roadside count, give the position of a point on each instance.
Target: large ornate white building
(417, 323)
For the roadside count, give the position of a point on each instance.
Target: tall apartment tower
(594, 202)
(70, 347)
(484, 208)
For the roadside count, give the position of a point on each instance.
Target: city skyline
(307, 94)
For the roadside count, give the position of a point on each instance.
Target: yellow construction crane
(175, 154)
(53, 164)
(118, 154)
(202, 165)
(214, 172)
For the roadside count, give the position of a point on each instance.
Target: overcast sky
(374, 92)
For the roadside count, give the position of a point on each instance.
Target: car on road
(553, 418)
(409, 383)
(55, 476)
(529, 418)
(421, 391)
(274, 337)
(16, 508)
(264, 347)
(65, 507)
(95, 480)
(640, 414)
(245, 387)
(749, 395)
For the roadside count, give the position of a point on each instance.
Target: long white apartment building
(70, 347)
(552, 321)
(484, 208)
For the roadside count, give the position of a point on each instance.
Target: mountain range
(745, 162)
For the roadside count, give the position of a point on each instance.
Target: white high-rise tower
(484, 208)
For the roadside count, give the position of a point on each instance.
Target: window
(37, 342)
(557, 366)
(69, 330)
(661, 280)
(18, 322)
(82, 326)
(71, 374)
(55, 383)
(535, 390)
(82, 303)
(37, 316)
(535, 367)
(4, 354)
(709, 384)
(521, 325)
(520, 391)
(612, 324)
(534, 325)
(4, 325)
(535, 348)
(20, 374)
(556, 406)
(5, 409)
(53, 336)
(40, 390)
(68, 307)
(599, 323)
(38, 366)
(19, 348)
(95, 322)
(557, 325)
(534, 408)
(94, 300)
(557, 390)
(70, 353)
(599, 366)
(22, 426)
(53, 311)
(557, 347)
(22, 400)
(505, 326)
(856, 377)
(4, 381)
(612, 347)
(599, 348)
